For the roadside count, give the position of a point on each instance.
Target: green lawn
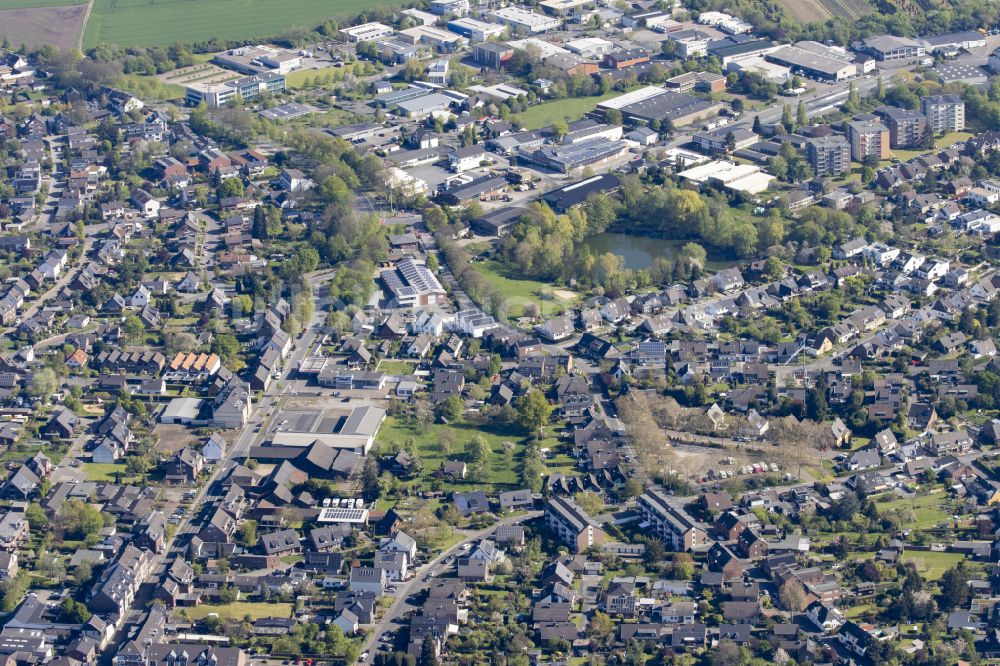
(928, 510)
(151, 88)
(299, 79)
(951, 137)
(164, 22)
(520, 291)
(569, 109)
(430, 446)
(393, 367)
(932, 565)
(238, 609)
(103, 471)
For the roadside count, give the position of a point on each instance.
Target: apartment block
(944, 113)
(571, 525)
(869, 139)
(829, 155)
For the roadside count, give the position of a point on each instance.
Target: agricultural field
(164, 22)
(35, 23)
(808, 11)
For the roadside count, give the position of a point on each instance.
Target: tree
(229, 594)
(590, 502)
(601, 627)
(786, 117)
(428, 652)
(954, 588)
(792, 595)
(371, 489)
(80, 519)
(72, 611)
(477, 449)
(248, 533)
(632, 488)
(801, 117)
(451, 409)
(43, 383)
(756, 125)
(534, 411)
(560, 129)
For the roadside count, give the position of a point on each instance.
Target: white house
(140, 298)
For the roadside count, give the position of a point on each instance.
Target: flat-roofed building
(654, 103)
(450, 7)
(475, 30)
(869, 140)
(906, 126)
(524, 20)
(944, 113)
(492, 54)
(829, 155)
(812, 64)
(366, 32)
(891, 47)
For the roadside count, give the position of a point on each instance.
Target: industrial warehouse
(653, 103)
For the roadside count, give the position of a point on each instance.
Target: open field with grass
(439, 442)
(35, 23)
(164, 22)
(932, 565)
(520, 291)
(238, 609)
(928, 510)
(569, 109)
(28, 4)
(103, 471)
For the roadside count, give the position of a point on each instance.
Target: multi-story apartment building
(869, 139)
(906, 127)
(829, 155)
(944, 113)
(572, 525)
(670, 523)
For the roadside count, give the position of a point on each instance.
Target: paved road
(420, 582)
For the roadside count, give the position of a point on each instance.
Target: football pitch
(165, 22)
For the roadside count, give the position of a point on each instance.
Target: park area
(519, 292)
(165, 22)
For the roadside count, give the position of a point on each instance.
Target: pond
(638, 251)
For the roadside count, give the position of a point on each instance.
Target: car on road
(364, 657)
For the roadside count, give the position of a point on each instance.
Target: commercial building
(967, 39)
(961, 72)
(699, 81)
(366, 32)
(653, 103)
(822, 66)
(442, 40)
(572, 525)
(669, 523)
(258, 60)
(576, 194)
(944, 113)
(492, 54)
(450, 7)
(690, 43)
(829, 155)
(475, 31)
(906, 127)
(565, 158)
(869, 139)
(523, 20)
(891, 47)
(734, 50)
(246, 89)
(412, 284)
(623, 58)
(424, 105)
(353, 429)
(746, 178)
(562, 7)
(725, 139)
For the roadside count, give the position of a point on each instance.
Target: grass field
(521, 291)
(103, 471)
(429, 449)
(164, 22)
(238, 609)
(569, 109)
(932, 565)
(28, 4)
(928, 510)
